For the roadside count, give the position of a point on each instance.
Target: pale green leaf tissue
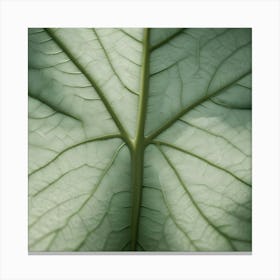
(140, 139)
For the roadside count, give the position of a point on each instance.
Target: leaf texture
(140, 139)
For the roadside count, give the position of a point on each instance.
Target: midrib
(138, 144)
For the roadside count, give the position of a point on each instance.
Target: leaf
(140, 139)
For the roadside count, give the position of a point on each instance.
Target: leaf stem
(138, 144)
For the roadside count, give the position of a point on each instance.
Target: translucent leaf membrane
(140, 139)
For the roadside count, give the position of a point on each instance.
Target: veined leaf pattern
(139, 139)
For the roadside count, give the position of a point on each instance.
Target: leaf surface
(140, 139)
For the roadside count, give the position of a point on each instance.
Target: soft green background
(86, 89)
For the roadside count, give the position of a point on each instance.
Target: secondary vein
(189, 108)
(106, 103)
(206, 219)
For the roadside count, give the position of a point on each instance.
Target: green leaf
(140, 139)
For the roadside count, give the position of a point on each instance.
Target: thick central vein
(137, 151)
